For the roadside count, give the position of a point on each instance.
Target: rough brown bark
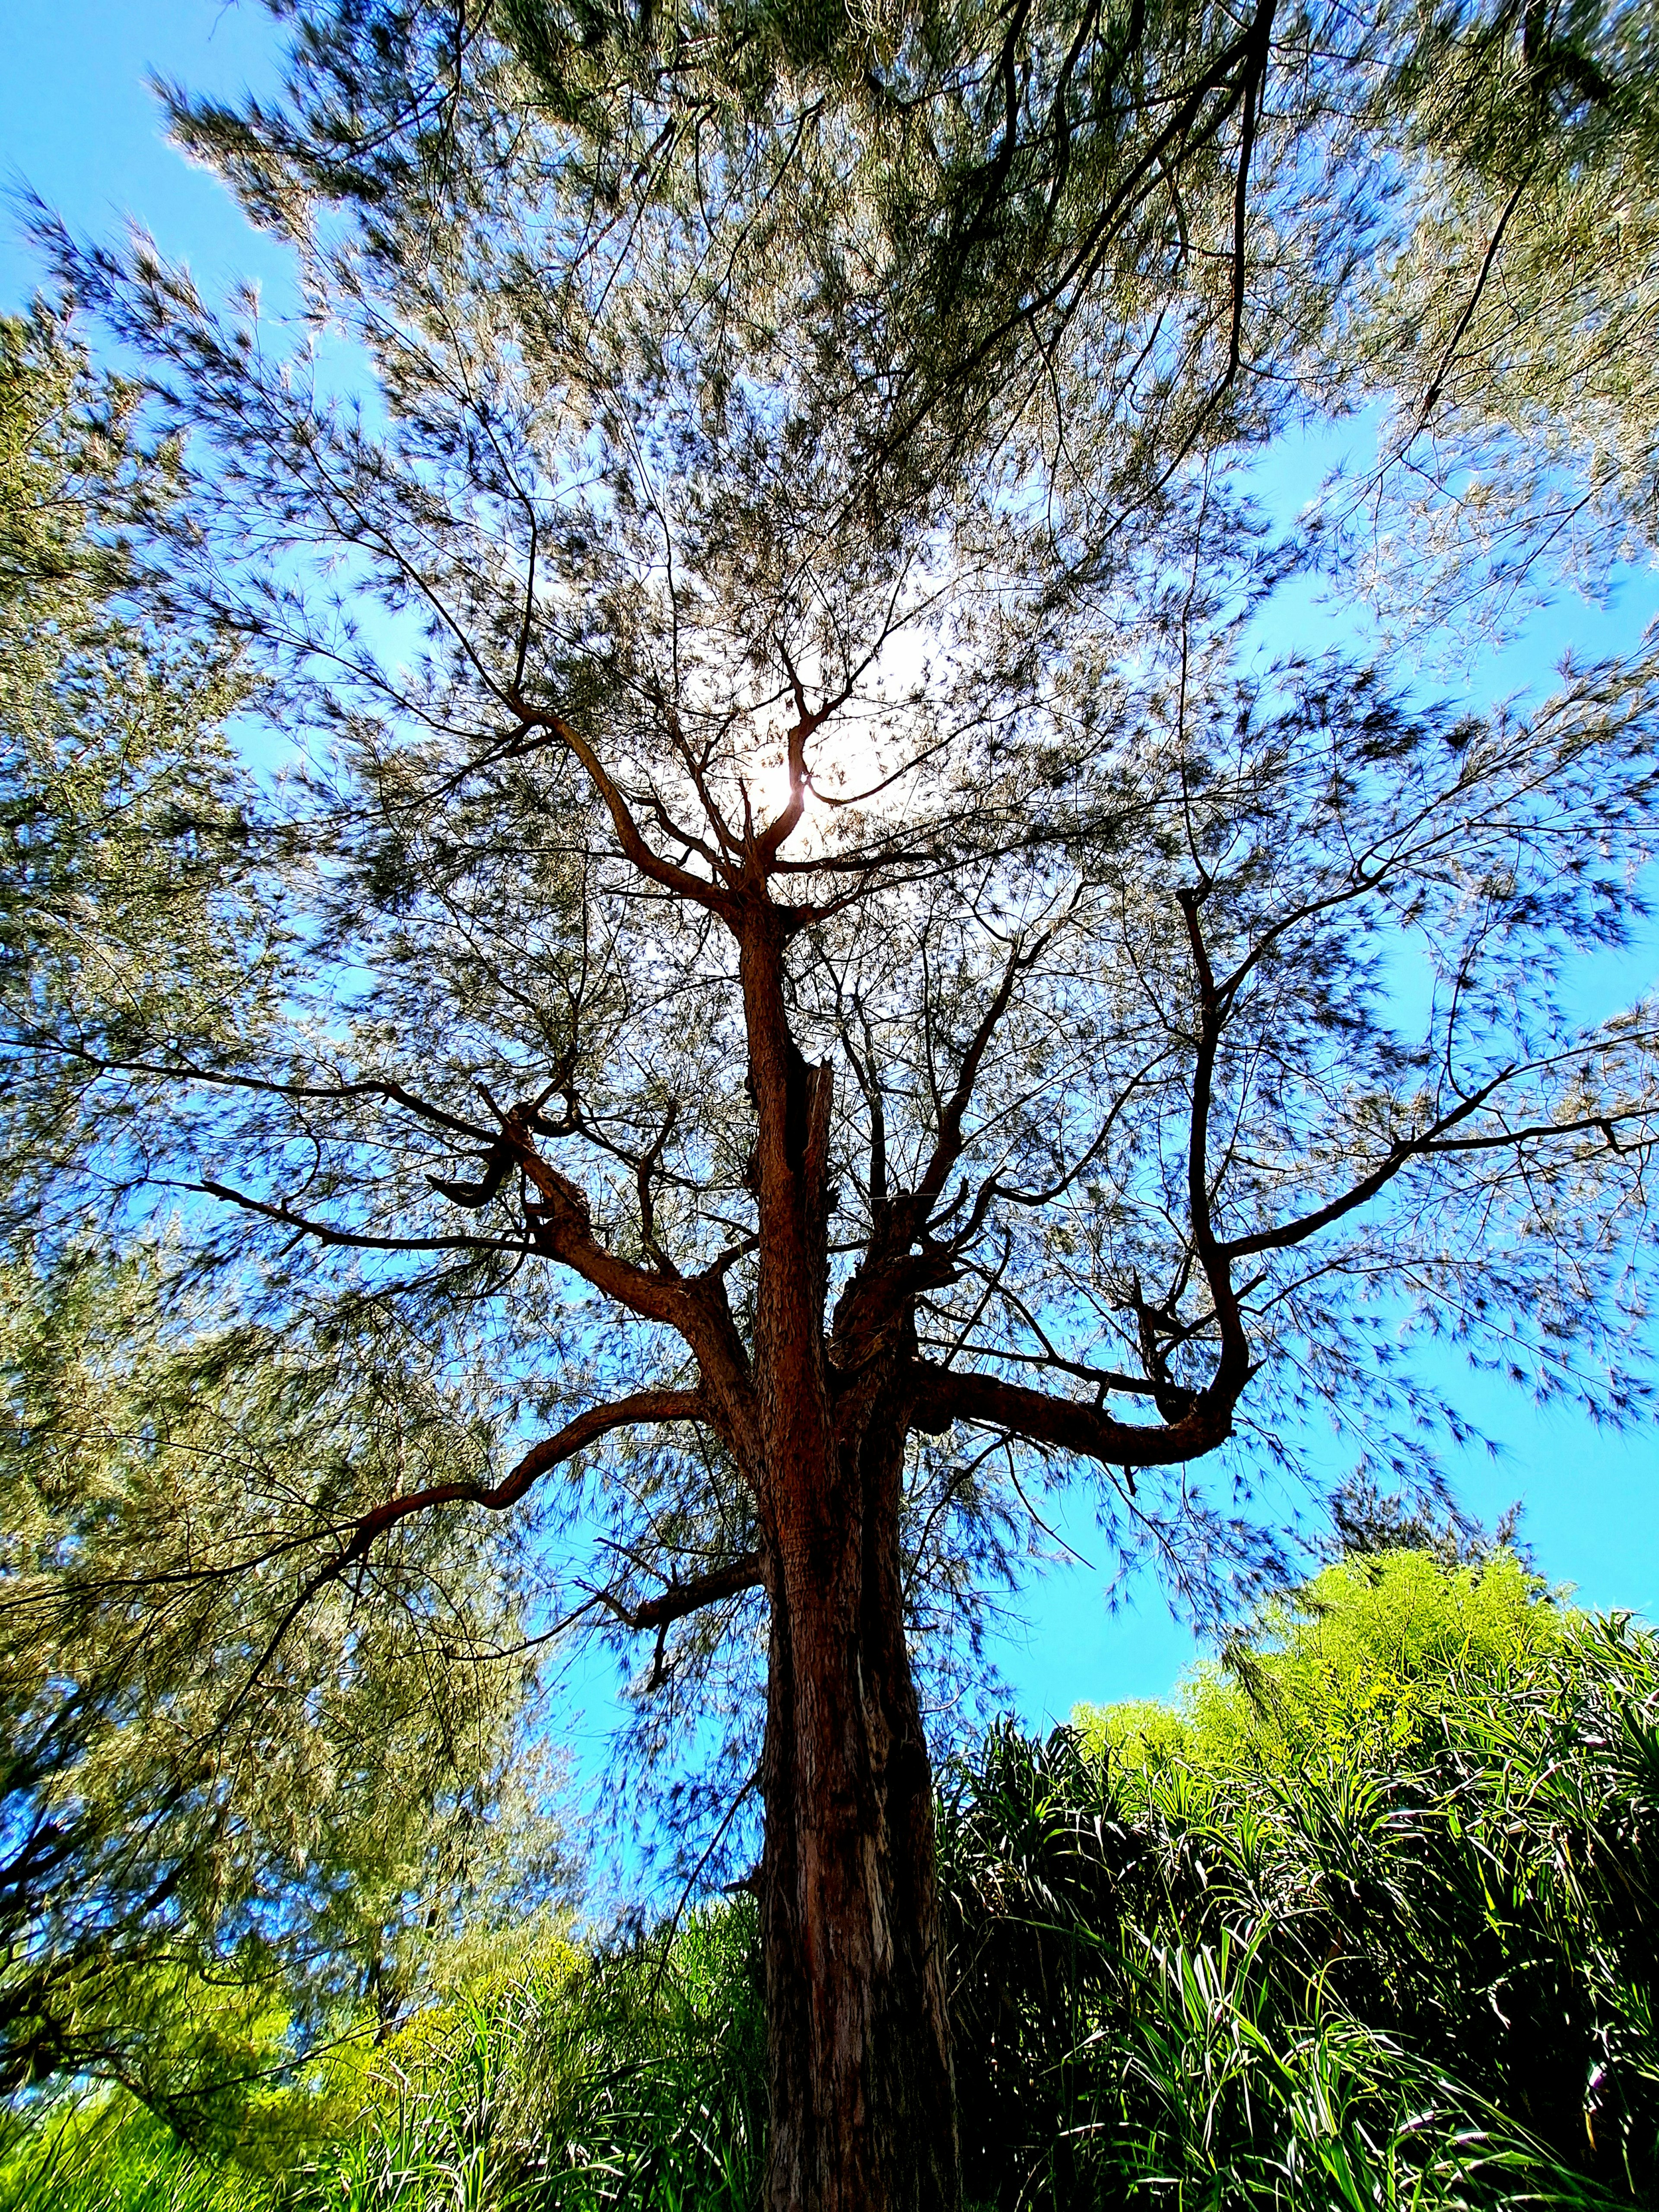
(863, 2103)
(863, 2107)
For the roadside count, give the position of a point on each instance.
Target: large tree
(815, 942)
(226, 1835)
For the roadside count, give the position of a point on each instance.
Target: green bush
(1368, 1917)
(630, 2080)
(1359, 1661)
(111, 2155)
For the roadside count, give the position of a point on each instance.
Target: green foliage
(74, 471)
(1354, 1663)
(1374, 1919)
(124, 906)
(1497, 159)
(1511, 328)
(633, 2080)
(217, 1826)
(628, 2082)
(112, 2156)
(213, 1832)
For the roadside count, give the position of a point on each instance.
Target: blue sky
(78, 125)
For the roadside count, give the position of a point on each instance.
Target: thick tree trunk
(863, 2104)
(863, 2107)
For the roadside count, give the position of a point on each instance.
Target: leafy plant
(1370, 1919)
(630, 2081)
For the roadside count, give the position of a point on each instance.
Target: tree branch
(1430, 1144)
(1404, 1149)
(628, 835)
(947, 1148)
(587, 1428)
(1233, 1369)
(1436, 382)
(808, 720)
(680, 1599)
(357, 1240)
(941, 1395)
(561, 1227)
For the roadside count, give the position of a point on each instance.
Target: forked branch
(697, 889)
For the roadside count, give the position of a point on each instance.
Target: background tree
(226, 1835)
(216, 1822)
(121, 799)
(826, 965)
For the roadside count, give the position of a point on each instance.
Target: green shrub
(631, 2080)
(1359, 1660)
(1373, 1917)
(111, 2155)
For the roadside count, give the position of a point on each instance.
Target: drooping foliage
(219, 1821)
(221, 1826)
(1511, 329)
(1190, 202)
(124, 912)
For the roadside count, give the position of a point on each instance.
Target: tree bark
(862, 2098)
(862, 2101)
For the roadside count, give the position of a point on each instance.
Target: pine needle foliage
(212, 1831)
(219, 1827)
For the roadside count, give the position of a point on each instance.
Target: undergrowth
(1333, 1932)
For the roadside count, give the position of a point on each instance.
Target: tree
(226, 1835)
(833, 969)
(121, 800)
(218, 1826)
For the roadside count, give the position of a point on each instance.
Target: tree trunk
(863, 2103)
(863, 2106)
